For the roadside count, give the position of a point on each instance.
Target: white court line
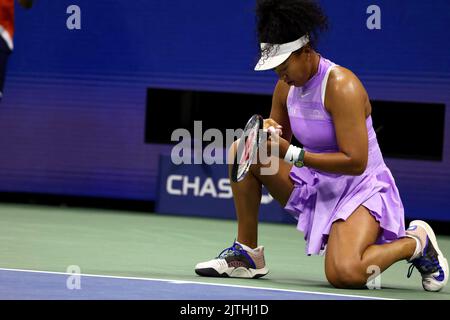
(196, 282)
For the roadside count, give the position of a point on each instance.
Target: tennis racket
(247, 148)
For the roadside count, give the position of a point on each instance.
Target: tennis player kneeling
(337, 186)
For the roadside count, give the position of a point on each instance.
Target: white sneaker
(428, 259)
(237, 261)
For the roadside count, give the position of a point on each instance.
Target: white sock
(418, 251)
(246, 248)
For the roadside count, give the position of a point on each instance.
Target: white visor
(279, 53)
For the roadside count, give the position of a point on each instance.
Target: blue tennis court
(21, 284)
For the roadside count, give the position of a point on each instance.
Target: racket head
(247, 148)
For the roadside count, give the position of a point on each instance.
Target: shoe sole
(233, 273)
(433, 240)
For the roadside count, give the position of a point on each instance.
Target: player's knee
(346, 275)
(231, 157)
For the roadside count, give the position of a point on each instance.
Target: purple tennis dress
(320, 198)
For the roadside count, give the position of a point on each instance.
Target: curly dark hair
(282, 21)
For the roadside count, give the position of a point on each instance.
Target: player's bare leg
(247, 194)
(244, 258)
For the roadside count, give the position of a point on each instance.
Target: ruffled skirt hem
(318, 200)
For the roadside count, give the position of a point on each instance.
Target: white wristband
(292, 154)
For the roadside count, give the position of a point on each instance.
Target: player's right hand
(272, 127)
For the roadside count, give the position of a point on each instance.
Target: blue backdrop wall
(73, 116)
